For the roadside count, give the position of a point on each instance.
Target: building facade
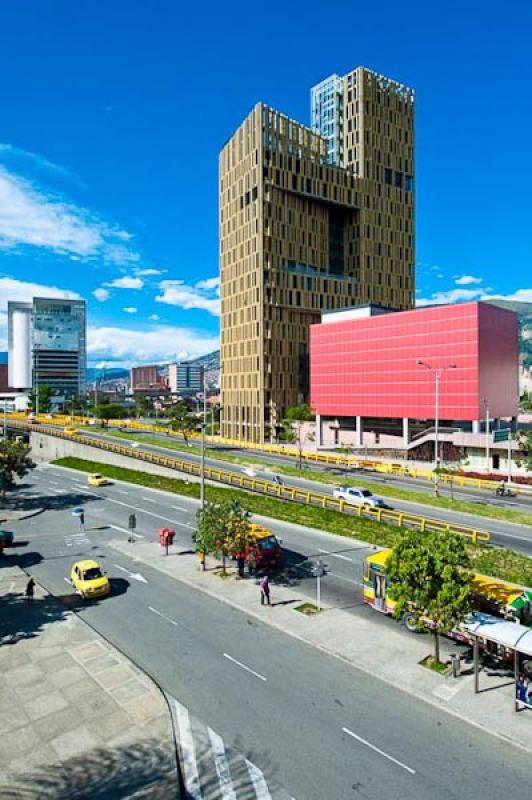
(147, 379)
(185, 378)
(374, 373)
(311, 219)
(47, 345)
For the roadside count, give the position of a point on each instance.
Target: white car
(359, 497)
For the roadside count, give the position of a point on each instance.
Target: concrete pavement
(78, 719)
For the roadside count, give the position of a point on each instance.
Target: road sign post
(505, 436)
(131, 524)
(318, 569)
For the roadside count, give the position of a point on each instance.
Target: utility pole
(437, 372)
(203, 424)
(487, 436)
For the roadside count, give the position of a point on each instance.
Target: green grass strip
(500, 563)
(408, 495)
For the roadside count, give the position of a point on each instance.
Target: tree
(223, 529)
(14, 462)
(143, 405)
(525, 445)
(429, 580)
(294, 430)
(181, 420)
(45, 395)
(106, 411)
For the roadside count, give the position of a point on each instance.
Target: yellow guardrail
(295, 494)
(461, 481)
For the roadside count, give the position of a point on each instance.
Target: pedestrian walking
(252, 564)
(265, 591)
(30, 589)
(241, 563)
(81, 518)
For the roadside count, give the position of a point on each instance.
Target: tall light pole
(487, 435)
(203, 425)
(437, 372)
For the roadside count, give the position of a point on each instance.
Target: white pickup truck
(358, 497)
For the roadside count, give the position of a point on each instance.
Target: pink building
(378, 371)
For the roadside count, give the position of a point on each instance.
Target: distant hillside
(524, 312)
(211, 361)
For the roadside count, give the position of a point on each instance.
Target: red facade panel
(368, 367)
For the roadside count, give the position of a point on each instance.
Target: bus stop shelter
(510, 636)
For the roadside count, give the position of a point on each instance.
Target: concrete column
(476, 426)
(359, 439)
(513, 425)
(406, 432)
(319, 432)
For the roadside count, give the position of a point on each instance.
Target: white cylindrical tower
(19, 358)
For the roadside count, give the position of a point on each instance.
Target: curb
(322, 648)
(180, 784)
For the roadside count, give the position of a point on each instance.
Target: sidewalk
(381, 650)
(77, 719)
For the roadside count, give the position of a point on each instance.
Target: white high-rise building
(47, 345)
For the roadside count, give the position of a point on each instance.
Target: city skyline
(99, 194)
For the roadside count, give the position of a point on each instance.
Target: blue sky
(113, 114)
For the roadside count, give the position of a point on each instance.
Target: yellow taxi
(98, 480)
(89, 580)
(70, 430)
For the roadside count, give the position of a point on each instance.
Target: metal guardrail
(462, 481)
(268, 488)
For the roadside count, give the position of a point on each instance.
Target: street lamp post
(487, 435)
(437, 372)
(203, 425)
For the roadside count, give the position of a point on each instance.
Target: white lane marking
(67, 580)
(186, 741)
(243, 666)
(171, 621)
(222, 767)
(343, 578)
(258, 781)
(126, 530)
(380, 752)
(134, 575)
(335, 555)
(120, 491)
(180, 508)
(54, 483)
(149, 500)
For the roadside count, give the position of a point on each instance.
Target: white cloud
(178, 293)
(154, 317)
(130, 310)
(127, 282)
(208, 283)
(101, 294)
(155, 344)
(467, 280)
(519, 296)
(452, 296)
(149, 271)
(33, 217)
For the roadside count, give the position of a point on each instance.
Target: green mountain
(524, 312)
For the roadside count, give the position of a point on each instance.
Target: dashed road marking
(243, 666)
(379, 751)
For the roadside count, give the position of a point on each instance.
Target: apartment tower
(311, 219)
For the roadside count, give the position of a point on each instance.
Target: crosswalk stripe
(259, 782)
(186, 741)
(222, 767)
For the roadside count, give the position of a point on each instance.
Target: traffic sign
(501, 436)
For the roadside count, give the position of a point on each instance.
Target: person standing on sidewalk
(30, 589)
(265, 591)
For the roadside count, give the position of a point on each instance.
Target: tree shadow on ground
(52, 502)
(138, 770)
(24, 619)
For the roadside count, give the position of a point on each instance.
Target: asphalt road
(505, 534)
(316, 726)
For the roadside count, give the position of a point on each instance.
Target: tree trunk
(436, 645)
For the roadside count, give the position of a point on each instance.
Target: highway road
(309, 723)
(505, 534)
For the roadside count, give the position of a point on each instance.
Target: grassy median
(478, 509)
(501, 563)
